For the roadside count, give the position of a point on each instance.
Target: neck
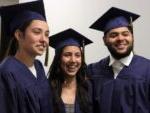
(68, 93)
(70, 83)
(25, 58)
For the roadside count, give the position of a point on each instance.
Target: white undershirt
(119, 64)
(33, 70)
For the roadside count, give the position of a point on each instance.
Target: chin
(71, 74)
(40, 53)
(122, 52)
(118, 54)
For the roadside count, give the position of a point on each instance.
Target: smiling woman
(23, 83)
(70, 61)
(34, 40)
(72, 91)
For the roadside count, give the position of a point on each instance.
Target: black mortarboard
(114, 18)
(13, 16)
(67, 38)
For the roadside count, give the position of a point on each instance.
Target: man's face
(119, 42)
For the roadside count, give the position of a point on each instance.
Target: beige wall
(8, 2)
(80, 14)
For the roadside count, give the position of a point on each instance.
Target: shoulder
(97, 66)
(6, 72)
(102, 62)
(8, 64)
(141, 60)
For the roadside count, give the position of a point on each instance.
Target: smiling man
(121, 81)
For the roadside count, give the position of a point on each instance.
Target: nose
(44, 38)
(73, 58)
(120, 37)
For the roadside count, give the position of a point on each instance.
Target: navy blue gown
(128, 93)
(21, 91)
(77, 107)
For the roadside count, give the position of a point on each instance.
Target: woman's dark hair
(56, 80)
(13, 44)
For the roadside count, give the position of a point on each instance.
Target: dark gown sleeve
(8, 94)
(93, 71)
(21, 92)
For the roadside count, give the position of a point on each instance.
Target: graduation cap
(114, 18)
(68, 37)
(14, 16)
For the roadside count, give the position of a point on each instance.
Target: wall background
(80, 14)
(8, 2)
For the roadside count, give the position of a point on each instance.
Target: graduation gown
(128, 93)
(77, 108)
(21, 91)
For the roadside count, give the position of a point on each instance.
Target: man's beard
(117, 55)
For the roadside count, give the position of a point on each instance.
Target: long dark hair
(56, 80)
(13, 44)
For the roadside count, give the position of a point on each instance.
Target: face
(119, 42)
(35, 39)
(71, 60)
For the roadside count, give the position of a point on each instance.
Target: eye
(36, 31)
(47, 34)
(67, 54)
(126, 33)
(78, 55)
(113, 35)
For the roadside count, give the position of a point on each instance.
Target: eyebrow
(111, 32)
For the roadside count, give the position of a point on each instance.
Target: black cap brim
(110, 14)
(56, 39)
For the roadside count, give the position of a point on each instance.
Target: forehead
(71, 49)
(38, 24)
(120, 29)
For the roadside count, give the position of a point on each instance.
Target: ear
(18, 34)
(104, 39)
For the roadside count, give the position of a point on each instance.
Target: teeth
(71, 67)
(121, 45)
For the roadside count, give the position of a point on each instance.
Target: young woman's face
(35, 39)
(71, 60)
